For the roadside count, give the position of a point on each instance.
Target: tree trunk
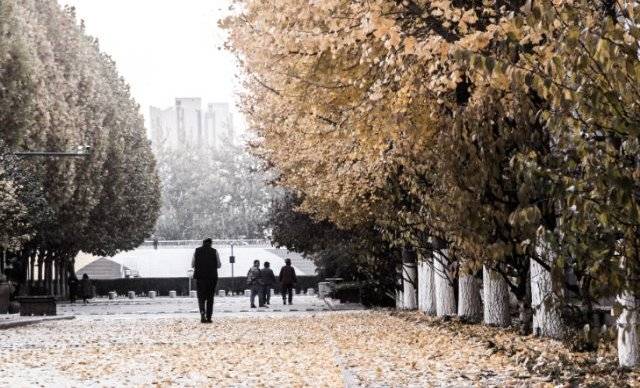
(48, 267)
(56, 273)
(628, 332)
(399, 289)
(445, 293)
(32, 268)
(40, 268)
(496, 299)
(410, 279)
(426, 287)
(469, 302)
(65, 279)
(546, 304)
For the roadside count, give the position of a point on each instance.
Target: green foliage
(59, 92)
(351, 254)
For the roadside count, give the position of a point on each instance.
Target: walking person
(254, 282)
(87, 288)
(268, 281)
(73, 286)
(288, 281)
(205, 264)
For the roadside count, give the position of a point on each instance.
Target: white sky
(165, 48)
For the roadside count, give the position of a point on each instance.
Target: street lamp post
(232, 261)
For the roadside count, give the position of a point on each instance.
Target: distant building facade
(186, 124)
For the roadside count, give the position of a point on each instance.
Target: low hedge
(181, 285)
(367, 293)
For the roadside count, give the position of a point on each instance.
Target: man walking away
(86, 288)
(73, 287)
(288, 280)
(205, 264)
(254, 282)
(268, 281)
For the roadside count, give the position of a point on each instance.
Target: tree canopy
(496, 127)
(60, 93)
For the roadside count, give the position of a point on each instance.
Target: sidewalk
(230, 305)
(15, 320)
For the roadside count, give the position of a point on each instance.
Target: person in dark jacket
(268, 281)
(87, 288)
(288, 281)
(205, 264)
(73, 287)
(254, 282)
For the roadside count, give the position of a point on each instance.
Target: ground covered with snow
(299, 349)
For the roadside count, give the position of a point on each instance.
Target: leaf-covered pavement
(316, 350)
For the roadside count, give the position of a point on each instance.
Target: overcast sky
(164, 48)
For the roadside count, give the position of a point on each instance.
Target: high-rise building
(187, 125)
(163, 126)
(189, 121)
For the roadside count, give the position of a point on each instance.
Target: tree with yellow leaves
(492, 133)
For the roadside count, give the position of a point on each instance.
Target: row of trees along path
(493, 137)
(59, 91)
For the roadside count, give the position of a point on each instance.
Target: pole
(233, 280)
(232, 264)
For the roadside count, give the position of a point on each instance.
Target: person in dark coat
(205, 264)
(73, 287)
(268, 281)
(86, 288)
(254, 282)
(288, 281)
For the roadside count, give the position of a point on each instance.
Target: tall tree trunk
(445, 293)
(426, 287)
(469, 302)
(628, 331)
(410, 279)
(40, 268)
(32, 269)
(496, 299)
(545, 302)
(399, 288)
(48, 263)
(65, 279)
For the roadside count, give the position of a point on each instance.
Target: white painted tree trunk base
(496, 299)
(469, 302)
(629, 332)
(445, 293)
(410, 297)
(547, 316)
(399, 300)
(426, 287)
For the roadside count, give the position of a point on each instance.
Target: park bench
(37, 305)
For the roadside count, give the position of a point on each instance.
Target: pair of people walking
(261, 281)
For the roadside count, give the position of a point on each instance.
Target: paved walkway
(286, 349)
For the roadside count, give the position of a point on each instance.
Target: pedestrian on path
(254, 282)
(288, 281)
(205, 264)
(268, 281)
(73, 287)
(87, 288)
